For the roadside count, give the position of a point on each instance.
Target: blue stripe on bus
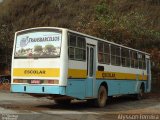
(116, 87)
(38, 89)
(82, 88)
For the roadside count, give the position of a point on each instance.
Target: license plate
(35, 81)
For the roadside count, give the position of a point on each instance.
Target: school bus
(66, 64)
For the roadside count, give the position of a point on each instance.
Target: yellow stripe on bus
(77, 73)
(36, 72)
(74, 73)
(119, 76)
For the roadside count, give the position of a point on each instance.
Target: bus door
(148, 75)
(91, 65)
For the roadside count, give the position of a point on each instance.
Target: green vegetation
(38, 48)
(50, 48)
(134, 23)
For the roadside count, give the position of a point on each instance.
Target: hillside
(135, 23)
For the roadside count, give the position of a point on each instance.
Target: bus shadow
(116, 104)
(79, 105)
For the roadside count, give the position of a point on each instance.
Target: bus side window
(72, 40)
(125, 57)
(113, 52)
(100, 52)
(100, 57)
(72, 43)
(134, 59)
(115, 55)
(71, 53)
(118, 60)
(144, 62)
(140, 62)
(103, 53)
(77, 47)
(107, 53)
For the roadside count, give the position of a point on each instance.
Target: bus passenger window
(118, 60)
(71, 53)
(128, 58)
(107, 53)
(79, 54)
(100, 47)
(100, 57)
(143, 62)
(100, 52)
(72, 40)
(140, 62)
(134, 59)
(113, 52)
(81, 42)
(103, 53)
(125, 57)
(77, 47)
(115, 55)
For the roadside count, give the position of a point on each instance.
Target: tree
(38, 48)
(50, 48)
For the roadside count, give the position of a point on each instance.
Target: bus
(64, 65)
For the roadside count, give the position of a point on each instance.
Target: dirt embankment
(4, 86)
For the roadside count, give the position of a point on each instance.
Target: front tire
(140, 95)
(102, 97)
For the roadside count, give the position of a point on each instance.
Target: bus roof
(89, 36)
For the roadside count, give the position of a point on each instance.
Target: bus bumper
(41, 89)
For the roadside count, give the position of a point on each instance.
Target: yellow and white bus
(62, 63)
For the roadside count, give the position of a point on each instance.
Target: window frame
(142, 60)
(115, 55)
(126, 56)
(103, 54)
(77, 47)
(134, 59)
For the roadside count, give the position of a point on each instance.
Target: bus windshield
(38, 44)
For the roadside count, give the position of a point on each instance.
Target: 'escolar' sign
(34, 72)
(108, 75)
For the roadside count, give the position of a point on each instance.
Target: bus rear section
(38, 61)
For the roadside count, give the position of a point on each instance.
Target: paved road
(24, 107)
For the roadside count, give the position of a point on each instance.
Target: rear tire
(102, 97)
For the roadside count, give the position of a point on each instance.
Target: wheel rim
(102, 96)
